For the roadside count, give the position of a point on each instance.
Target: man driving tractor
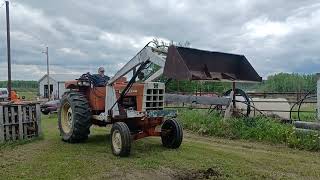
(101, 78)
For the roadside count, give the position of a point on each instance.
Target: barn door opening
(46, 91)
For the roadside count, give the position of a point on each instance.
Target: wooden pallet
(19, 121)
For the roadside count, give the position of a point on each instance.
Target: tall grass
(257, 129)
(306, 116)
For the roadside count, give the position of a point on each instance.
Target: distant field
(28, 93)
(28, 89)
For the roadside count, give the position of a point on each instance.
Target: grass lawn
(198, 157)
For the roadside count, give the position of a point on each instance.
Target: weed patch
(258, 129)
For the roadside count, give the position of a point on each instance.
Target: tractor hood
(193, 64)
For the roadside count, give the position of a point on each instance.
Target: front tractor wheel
(74, 118)
(120, 139)
(171, 134)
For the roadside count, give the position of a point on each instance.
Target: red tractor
(135, 108)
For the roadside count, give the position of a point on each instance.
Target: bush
(258, 129)
(308, 141)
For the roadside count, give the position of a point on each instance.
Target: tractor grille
(153, 96)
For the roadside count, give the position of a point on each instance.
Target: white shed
(57, 82)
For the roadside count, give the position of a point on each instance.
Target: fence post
(13, 123)
(20, 122)
(24, 123)
(6, 120)
(38, 116)
(1, 125)
(30, 114)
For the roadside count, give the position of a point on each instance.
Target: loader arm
(155, 75)
(146, 54)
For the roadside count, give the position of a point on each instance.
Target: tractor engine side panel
(134, 97)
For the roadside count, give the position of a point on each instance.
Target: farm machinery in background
(135, 108)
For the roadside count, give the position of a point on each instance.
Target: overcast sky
(274, 35)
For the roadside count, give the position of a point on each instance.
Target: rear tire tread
(81, 118)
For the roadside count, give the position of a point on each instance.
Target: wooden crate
(19, 121)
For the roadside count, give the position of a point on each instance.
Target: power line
(2, 5)
(13, 4)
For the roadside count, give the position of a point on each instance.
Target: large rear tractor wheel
(171, 134)
(74, 118)
(120, 139)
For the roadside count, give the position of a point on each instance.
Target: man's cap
(101, 69)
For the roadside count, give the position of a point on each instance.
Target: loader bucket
(193, 64)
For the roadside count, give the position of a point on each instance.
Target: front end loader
(135, 108)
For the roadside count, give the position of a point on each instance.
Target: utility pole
(8, 49)
(48, 78)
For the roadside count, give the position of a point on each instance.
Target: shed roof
(62, 77)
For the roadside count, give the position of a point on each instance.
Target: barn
(57, 82)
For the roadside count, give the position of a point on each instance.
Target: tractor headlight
(86, 83)
(83, 83)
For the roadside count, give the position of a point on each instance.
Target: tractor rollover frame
(136, 107)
